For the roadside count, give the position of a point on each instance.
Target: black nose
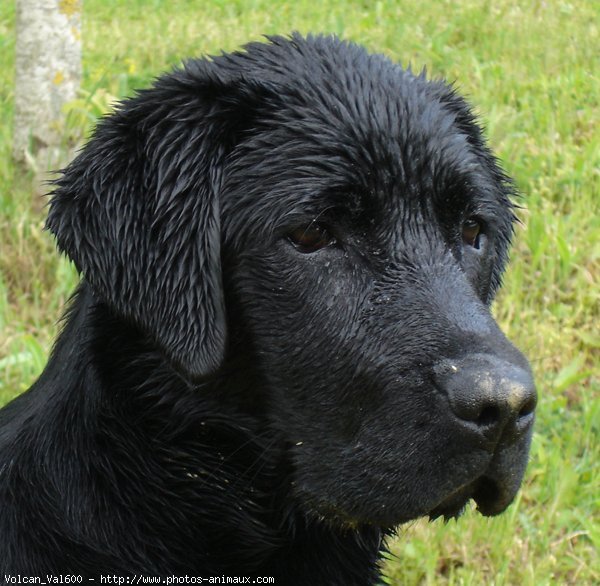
(489, 393)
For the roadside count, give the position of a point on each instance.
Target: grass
(528, 66)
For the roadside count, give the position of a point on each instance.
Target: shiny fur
(219, 400)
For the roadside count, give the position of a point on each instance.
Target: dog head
(349, 219)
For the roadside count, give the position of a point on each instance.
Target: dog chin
(488, 495)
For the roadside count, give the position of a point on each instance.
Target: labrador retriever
(281, 347)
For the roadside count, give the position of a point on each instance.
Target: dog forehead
(346, 122)
(324, 77)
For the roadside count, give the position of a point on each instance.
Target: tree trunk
(48, 73)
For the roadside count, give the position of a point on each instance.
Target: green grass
(530, 67)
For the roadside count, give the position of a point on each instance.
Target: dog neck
(196, 461)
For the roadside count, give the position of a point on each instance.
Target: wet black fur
(219, 402)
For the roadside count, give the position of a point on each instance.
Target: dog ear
(138, 210)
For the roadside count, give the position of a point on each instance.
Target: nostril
(528, 407)
(489, 415)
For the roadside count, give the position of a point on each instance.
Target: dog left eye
(471, 230)
(310, 238)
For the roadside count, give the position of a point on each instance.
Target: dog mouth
(489, 497)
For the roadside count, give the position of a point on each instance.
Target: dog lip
(488, 494)
(452, 506)
(490, 498)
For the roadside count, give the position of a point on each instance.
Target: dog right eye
(471, 231)
(310, 238)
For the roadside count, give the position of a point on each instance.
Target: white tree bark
(48, 73)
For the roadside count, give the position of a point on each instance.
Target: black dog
(281, 347)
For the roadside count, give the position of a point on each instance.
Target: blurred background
(531, 70)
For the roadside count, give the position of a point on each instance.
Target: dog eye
(471, 230)
(310, 238)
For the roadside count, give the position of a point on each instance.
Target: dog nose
(489, 393)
